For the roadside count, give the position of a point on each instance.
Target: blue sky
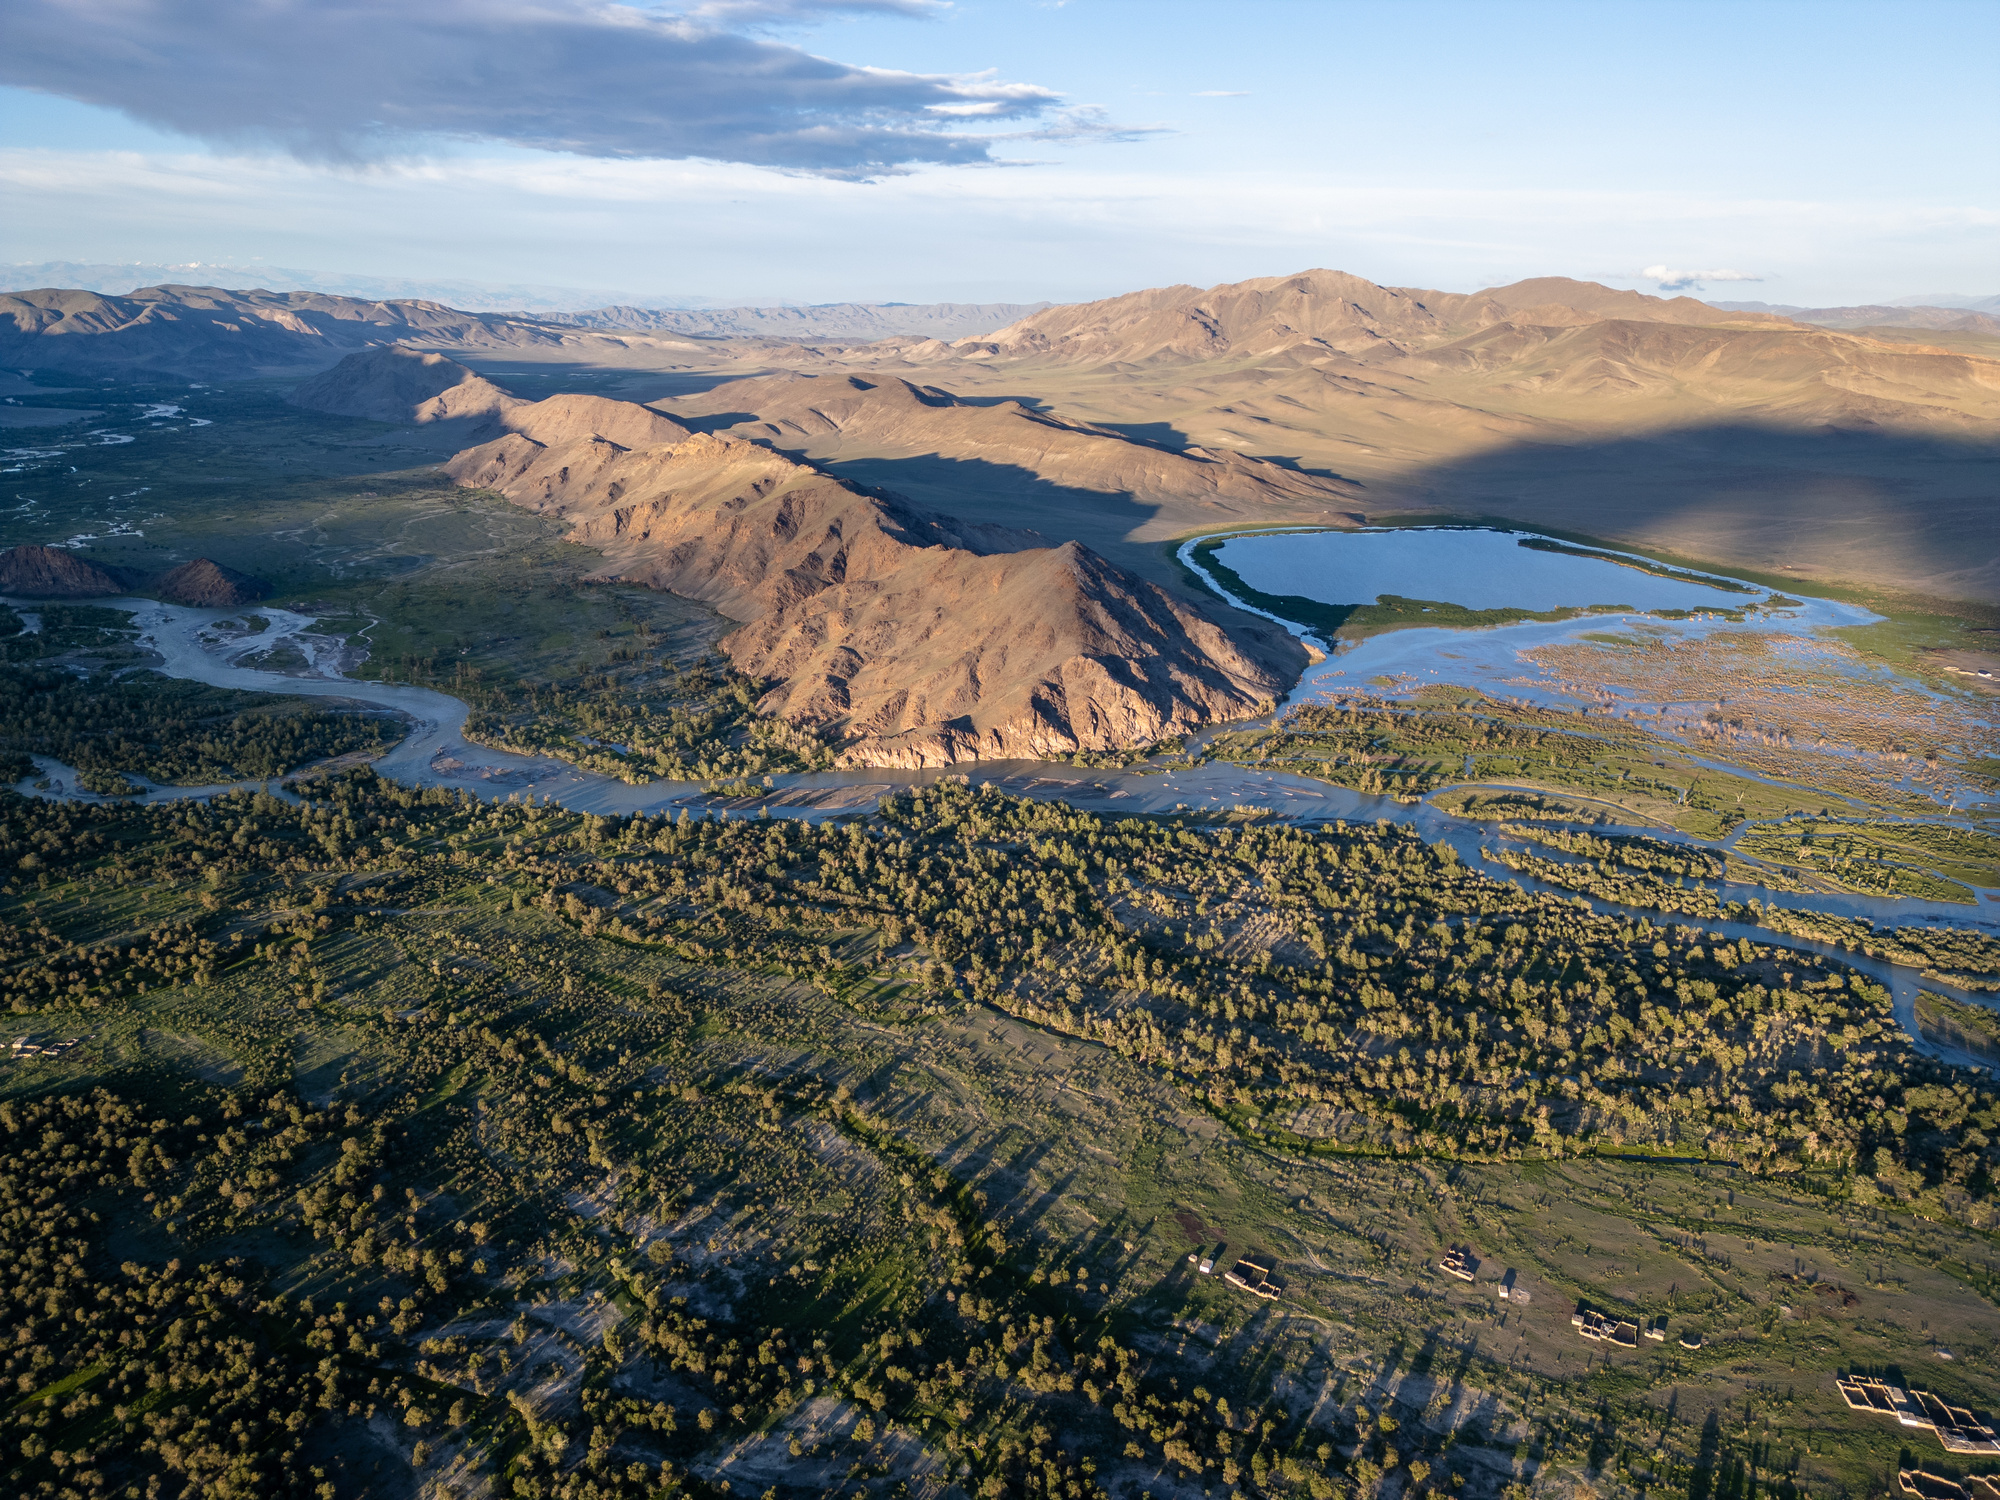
(1014, 149)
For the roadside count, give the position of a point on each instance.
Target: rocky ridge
(830, 416)
(913, 639)
(1302, 316)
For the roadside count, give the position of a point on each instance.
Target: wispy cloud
(1222, 93)
(1085, 122)
(776, 12)
(1672, 280)
(353, 81)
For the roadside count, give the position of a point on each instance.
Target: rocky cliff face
(1028, 655)
(915, 640)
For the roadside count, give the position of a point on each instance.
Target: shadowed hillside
(1905, 512)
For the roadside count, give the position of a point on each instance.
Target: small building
(1929, 1486)
(27, 1046)
(1507, 1286)
(1657, 1330)
(1958, 1429)
(1253, 1273)
(1597, 1327)
(1459, 1261)
(1206, 1267)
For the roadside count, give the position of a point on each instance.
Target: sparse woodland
(395, 1251)
(169, 732)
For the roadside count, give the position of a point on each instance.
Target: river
(436, 753)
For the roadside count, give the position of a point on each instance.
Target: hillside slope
(1311, 314)
(1878, 315)
(396, 384)
(912, 640)
(1548, 352)
(1732, 436)
(399, 384)
(1008, 460)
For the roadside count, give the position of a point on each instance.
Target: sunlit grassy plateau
(412, 1142)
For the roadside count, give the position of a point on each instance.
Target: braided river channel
(435, 753)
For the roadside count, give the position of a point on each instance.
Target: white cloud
(351, 81)
(1671, 280)
(1222, 94)
(1087, 226)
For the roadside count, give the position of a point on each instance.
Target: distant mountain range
(216, 334)
(580, 307)
(832, 320)
(212, 334)
(1852, 448)
(1950, 299)
(473, 296)
(1904, 312)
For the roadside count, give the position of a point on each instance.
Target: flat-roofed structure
(1958, 1429)
(1253, 1273)
(1594, 1325)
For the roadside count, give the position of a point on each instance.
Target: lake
(1476, 569)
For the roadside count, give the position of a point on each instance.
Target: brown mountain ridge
(914, 640)
(1122, 424)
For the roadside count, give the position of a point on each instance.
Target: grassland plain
(413, 1144)
(351, 521)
